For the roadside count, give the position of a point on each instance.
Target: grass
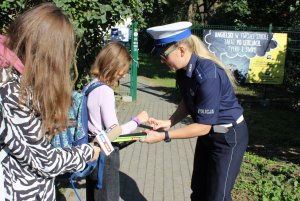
(167, 82)
(265, 179)
(271, 166)
(151, 67)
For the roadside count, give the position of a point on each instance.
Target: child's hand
(97, 151)
(143, 116)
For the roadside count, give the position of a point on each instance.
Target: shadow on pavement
(64, 190)
(129, 190)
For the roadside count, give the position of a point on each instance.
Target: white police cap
(170, 33)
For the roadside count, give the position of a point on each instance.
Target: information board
(255, 57)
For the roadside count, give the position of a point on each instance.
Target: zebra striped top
(32, 163)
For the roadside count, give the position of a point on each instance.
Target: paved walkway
(157, 172)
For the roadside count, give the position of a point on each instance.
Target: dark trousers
(110, 185)
(217, 162)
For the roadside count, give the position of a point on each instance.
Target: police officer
(208, 96)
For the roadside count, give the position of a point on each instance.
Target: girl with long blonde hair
(206, 87)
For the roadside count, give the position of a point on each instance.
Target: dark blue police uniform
(210, 99)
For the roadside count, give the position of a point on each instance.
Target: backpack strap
(88, 170)
(101, 158)
(101, 161)
(84, 110)
(91, 87)
(69, 135)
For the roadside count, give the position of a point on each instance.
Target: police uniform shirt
(207, 92)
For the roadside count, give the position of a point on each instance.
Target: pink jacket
(8, 57)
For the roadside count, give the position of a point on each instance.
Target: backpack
(77, 133)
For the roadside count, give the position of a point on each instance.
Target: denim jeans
(110, 190)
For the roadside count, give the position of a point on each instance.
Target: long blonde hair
(112, 60)
(43, 38)
(197, 46)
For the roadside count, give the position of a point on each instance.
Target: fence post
(134, 64)
(265, 102)
(270, 28)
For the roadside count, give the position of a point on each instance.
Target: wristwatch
(167, 137)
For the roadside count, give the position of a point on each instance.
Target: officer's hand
(153, 137)
(159, 124)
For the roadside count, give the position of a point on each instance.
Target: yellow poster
(269, 69)
(253, 57)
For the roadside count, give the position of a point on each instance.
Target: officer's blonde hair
(198, 47)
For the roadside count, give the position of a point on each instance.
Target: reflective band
(239, 120)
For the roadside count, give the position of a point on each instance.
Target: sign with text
(255, 57)
(120, 34)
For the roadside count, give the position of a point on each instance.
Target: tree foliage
(93, 18)
(256, 13)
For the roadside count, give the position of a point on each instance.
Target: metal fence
(292, 56)
(124, 86)
(292, 70)
(293, 34)
(127, 88)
